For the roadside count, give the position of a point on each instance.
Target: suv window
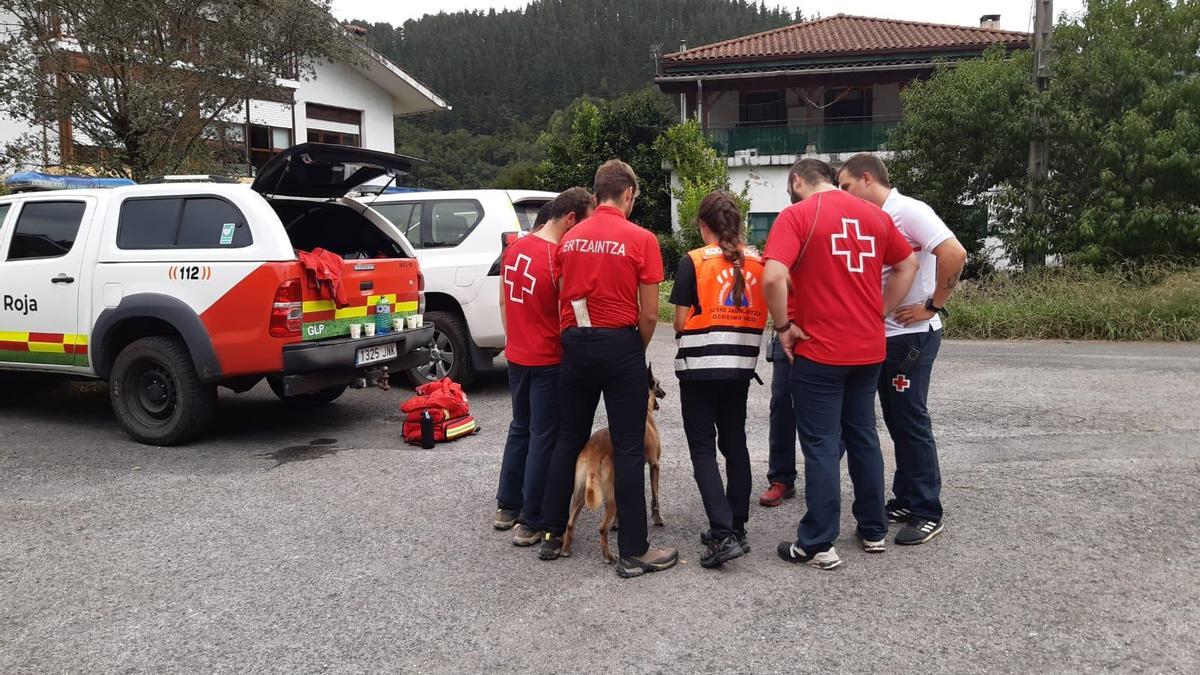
(527, 213)
(46, 230)
(406, 216)
(177, 222)
(451, 221)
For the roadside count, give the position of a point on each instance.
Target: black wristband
(784, 328)
(929, 306)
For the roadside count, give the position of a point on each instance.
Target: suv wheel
(311, 400)
(450, 353)
(157, 395)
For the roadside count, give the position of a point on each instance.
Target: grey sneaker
(825, 560)
(526, 536)
(918, 531)
(505, 518)
(871, 545)
(653, 560)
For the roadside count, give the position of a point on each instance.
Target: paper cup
(416, 321)
(369, 329)
(355, 331)
(398, 323)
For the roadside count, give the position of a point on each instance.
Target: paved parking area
(299, 542)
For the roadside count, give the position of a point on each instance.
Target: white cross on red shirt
(865, 248)
(518, 288)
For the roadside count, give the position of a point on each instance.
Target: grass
(1147, 303)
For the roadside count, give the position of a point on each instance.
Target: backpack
(448, 408)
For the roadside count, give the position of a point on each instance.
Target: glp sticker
(227, 233)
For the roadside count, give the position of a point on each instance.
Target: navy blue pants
(903, 396)
(608, 362)
(714, 416)
(532, 435)
(836, 404)
(781, 436)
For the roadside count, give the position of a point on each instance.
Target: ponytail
(720, 213)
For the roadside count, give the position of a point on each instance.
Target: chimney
(683, 45)
(990, 21)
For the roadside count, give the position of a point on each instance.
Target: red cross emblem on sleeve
(901, 383)
(519, 286)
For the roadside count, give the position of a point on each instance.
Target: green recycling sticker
(227, 233)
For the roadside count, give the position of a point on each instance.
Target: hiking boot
(552, 547)
(526, 536)
(743, 541)
(505, 518)
(918, 531)
(825, 560)
(653, 560)
(871, 545)
(895, 512)
(776, 493)
(721, 551)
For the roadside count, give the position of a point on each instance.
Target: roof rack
(189, 178)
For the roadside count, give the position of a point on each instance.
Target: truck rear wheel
(450, 353)
(157, 395)
(316, 398)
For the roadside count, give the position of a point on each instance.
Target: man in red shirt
(834, 246)
(529, 310)
(609, 274)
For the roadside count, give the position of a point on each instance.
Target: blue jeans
(781, 437)
(918, 480)
(531, 438)
(836, 404)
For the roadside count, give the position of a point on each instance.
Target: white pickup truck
(168, 291)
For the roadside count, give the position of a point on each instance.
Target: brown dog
(594, 476)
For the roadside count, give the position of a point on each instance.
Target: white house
(346, 104)
(827, 88)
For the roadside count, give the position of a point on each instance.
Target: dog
(594, 476)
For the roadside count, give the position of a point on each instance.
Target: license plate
(375, 354)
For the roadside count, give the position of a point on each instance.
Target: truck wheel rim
(152, 393)
(441, 358)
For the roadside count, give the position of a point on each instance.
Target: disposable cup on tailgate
(416, 321)
(398, 324)
(355, 331)
(369, 329)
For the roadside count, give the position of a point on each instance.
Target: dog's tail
(591, 488)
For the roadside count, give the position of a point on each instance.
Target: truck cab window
(45, 230)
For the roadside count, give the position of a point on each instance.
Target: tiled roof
(843, 34)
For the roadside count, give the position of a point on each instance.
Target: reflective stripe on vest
(723, 339)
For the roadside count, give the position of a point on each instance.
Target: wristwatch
(934, 308)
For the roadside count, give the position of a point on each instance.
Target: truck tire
(156, 394)
(450, 353)
(312, 400)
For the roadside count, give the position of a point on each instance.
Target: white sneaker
(872, 546)
(825, 560)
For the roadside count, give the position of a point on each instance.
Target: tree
(149, 86)
(588, 133)
(699, 171)
(963, 143)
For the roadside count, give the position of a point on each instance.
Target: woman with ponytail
(719, 319)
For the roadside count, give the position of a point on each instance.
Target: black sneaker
(825, 560)
(505, 518)
(551, 547)
(654, 560)
(743, 541)
(721, 551)
(896, 513)
(918, 531)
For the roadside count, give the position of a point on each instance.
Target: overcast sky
(1014, 14)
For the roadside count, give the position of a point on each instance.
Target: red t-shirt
(527, 276)
(837, 282)
(604, 258)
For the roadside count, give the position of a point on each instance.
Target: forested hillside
(501, 68)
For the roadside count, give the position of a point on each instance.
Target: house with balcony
(827, 88)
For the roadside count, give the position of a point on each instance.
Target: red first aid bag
(447, 406)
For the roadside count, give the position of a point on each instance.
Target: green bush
(1154, 302)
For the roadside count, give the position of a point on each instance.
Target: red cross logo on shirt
(900, 382)
(523, 285)
(865, 247)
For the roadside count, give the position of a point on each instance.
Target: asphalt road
(300, 542)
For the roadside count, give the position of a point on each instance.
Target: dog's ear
(650, 371)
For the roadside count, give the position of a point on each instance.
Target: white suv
(458, 237)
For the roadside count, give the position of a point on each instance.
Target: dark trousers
(608, 362)
(918, 481)
(781, 437)
(836, 404)
(714, 416)
(532, 435)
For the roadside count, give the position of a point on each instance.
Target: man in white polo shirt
(914, 335)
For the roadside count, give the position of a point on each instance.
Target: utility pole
(1043, 26)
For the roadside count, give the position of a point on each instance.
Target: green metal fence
(831, 137)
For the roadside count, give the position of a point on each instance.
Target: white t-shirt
(924, 231)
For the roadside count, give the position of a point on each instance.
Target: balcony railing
(825, 138)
